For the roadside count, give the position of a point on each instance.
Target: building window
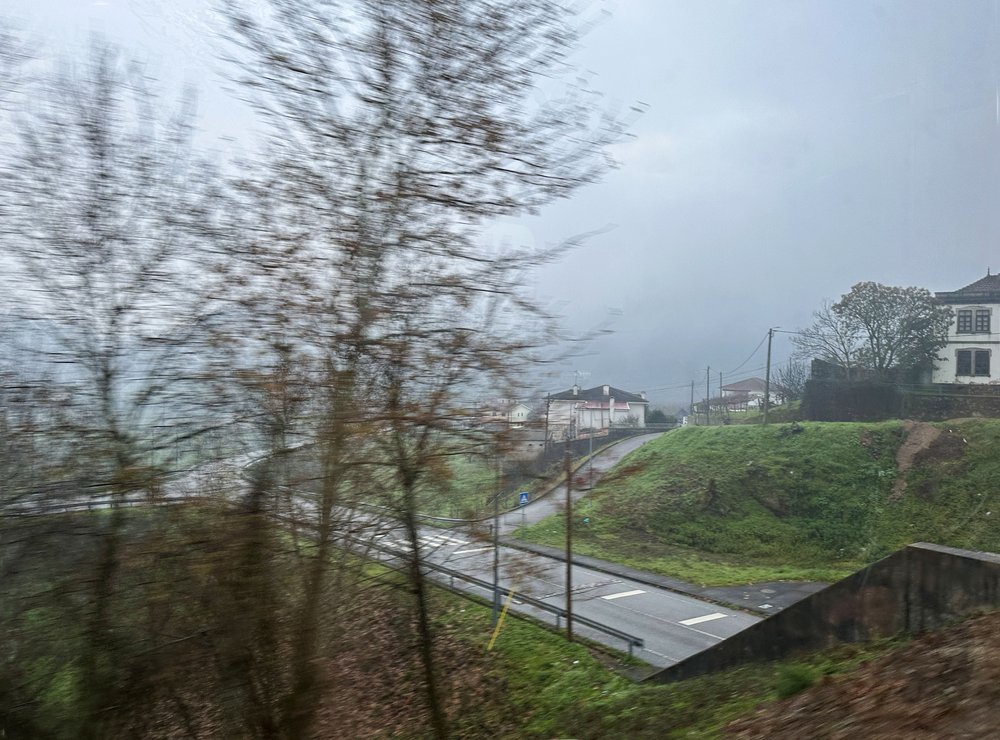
(972, 362)
(973, 321)
(983, 320)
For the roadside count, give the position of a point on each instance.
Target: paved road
(673, 626)
(553, 501)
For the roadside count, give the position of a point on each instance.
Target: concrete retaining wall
(921, 587)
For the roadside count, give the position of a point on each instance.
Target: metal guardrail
(631, 641)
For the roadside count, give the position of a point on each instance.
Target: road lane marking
(474, 549)
(699, 620)
(440, 541)
(623, 594)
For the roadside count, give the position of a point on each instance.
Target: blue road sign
(523, 500)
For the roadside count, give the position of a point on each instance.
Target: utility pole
(708, 396)
(548, 400)
(720, 395)
(496, 543)
(767, 374)
(691, 407)
(569, 544)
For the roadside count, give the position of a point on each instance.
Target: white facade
(576, 411)
(504, 411)
(971, 355)
(518, 414)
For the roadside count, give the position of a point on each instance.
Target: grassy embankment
(743, 504)
(555, 689)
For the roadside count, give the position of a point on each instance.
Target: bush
(795, 678)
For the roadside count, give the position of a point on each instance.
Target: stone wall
(833, 399)
(920, 587)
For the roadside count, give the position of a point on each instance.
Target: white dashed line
(699, 620)
(623, 594)
(474, 549)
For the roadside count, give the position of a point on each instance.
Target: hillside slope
(944, 684)
(811, 501)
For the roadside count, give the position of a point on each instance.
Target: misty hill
(810, 501)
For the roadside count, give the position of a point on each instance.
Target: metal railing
(631, 641)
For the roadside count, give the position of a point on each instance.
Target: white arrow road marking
(623, 594)
(699, 620)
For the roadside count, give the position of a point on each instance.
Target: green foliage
(702, 707)
(795, 678)
(900, 328)
(657, 416)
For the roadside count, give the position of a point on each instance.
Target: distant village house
(580, 412)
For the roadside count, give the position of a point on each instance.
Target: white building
(575, 411)
(507, 411)
(748, 393)
(973, 335)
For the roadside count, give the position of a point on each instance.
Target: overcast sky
(789, 150)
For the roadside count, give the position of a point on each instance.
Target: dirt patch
(919, 437)
(943, 685)
(925, 444)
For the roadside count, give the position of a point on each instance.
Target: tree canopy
(882, 328)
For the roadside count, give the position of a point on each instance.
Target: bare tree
(13, 53)
(791, 380)
(99, 204)
(398, 131)
(833, 337)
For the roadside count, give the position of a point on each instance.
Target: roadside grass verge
(702, 707)
(742, 504)
(803, 501)
(551, 688)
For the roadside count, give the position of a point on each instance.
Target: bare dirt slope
(942, 685)
(919, 436)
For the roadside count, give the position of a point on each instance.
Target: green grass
(702, 707)
(556, 689)
(542, 674)
(814, 501)
(743, 504)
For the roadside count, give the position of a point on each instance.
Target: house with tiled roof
(747, 393)
(586, 411)
(973, 335)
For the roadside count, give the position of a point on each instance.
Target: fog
(787, 151)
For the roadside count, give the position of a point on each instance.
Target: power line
(756, 349)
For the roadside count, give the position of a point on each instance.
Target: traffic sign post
(522, 501)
